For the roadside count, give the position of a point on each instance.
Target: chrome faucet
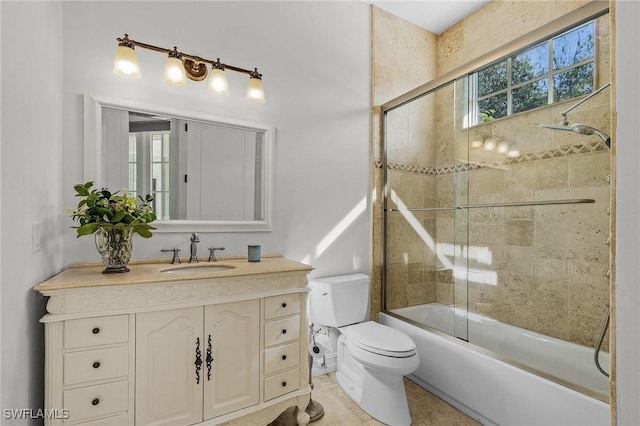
(195, 239)
(175, 259)
(212, 253)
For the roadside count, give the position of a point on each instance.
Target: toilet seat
(379, 339)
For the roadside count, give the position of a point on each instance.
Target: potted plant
(114, 218)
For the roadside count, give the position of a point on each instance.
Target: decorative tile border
(563, 151)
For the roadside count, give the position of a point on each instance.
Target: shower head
(561, 127)
(581, 129)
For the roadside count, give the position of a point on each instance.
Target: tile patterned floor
(339, 410)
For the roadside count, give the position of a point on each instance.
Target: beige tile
(340, 410)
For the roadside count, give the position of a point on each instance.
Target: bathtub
(495, 392)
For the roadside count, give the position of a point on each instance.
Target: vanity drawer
(83, 332)
(121, 420)
(95, 401)
(281, 331)
(281, 357)
(98, 364)
(282, 383)
(281, 306)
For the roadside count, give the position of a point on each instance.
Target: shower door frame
(556, 27)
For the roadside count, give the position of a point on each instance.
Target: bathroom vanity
(193, 343)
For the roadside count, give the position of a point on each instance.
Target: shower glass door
(495, 228)
(425, 235)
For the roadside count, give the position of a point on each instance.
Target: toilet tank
(340, 300)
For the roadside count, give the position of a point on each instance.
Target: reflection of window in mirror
(150, 160)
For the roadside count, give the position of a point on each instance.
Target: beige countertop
(79, 275)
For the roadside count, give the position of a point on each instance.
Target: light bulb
(255, 89)
(513, 152)
(489, 144)
(125, 62)
(502, 147)
(174, 74)
(476, 144)
(218, 83)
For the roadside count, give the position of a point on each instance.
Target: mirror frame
(94, 153)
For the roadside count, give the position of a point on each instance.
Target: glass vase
(114, 245)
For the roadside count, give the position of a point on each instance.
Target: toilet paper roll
(322, 346)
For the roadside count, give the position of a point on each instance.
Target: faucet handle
(176, 258)
(212, 253)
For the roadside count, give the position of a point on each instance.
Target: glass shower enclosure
(495, 227)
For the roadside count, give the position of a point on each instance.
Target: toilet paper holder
(316, 348)
(312, 333)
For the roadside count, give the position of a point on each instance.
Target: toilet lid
(381, 339)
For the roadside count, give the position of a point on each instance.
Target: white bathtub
(495, 392)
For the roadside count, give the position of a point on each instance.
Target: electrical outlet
(36, 235)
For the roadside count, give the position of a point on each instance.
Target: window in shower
(557, 69)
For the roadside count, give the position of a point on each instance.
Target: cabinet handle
(284, 357)
(284, 331)
(209, 358)
(284, 304)
(96, 330)
(284, 384)
(95, 401)
(198, 361)
(96, 364)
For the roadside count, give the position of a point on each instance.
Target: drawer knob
(96, 364)
(284, 304)
(284, 384)
(96, 330)
(95, 401)
(284, 357)
(284, 331)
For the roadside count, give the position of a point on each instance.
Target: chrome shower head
(561, 127)
(581, 129)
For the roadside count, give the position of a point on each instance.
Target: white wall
(314, 57)
(31, 162)
(628, 217)
(315, 61)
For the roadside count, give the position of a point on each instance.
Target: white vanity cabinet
(167, 391)
(186, 356)
(143, 349)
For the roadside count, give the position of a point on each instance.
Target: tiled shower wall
(541, 268)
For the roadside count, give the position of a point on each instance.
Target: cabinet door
(232, 339)
(168, 382)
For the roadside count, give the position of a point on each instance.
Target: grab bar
(511, 204)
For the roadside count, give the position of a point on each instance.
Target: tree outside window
(555, 70)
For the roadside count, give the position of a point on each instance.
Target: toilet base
(380, 394)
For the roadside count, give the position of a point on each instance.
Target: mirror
(207, 173)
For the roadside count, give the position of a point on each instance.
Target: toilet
(372, 358)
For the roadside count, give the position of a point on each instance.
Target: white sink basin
(198, 269)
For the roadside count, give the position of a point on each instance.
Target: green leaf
(87, 229)
(81, 190)
(118, 216)
(142, 231)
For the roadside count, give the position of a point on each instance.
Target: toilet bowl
(381, 347)
(372, 358)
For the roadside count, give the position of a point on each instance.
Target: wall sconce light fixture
(181, 66)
